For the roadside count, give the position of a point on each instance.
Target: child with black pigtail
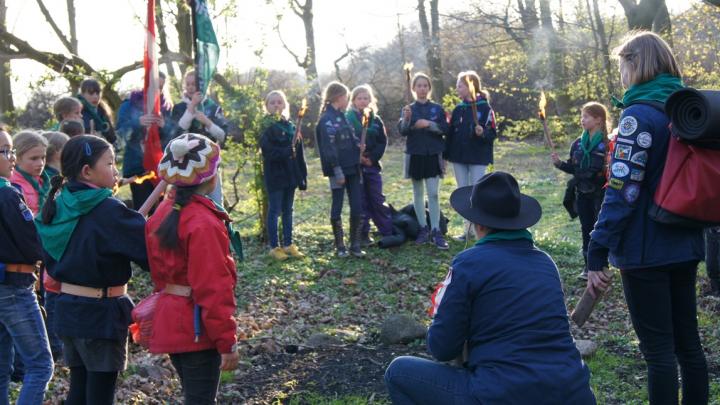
(340, 158)
(373, 200)
(89, 239)
(22, 331)
(284, 170)
(191, 265)
(587, 165)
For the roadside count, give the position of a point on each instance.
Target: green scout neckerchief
(69, 207)
(101, 125)
(235, 241)
(42, 189)
(352, 116)
(285, 125)
(50, 171)
(657, 89)
(519, 234)
(588, 145)
(479, 102)
(4, 182)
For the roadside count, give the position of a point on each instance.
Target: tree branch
(302, 64)
(54, 26)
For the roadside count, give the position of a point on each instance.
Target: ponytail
(48, 210)
(167, 232)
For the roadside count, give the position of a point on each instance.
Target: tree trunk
(431, 41)
(662, 24)
(183, 26)
(73, 27)
(556, 56)
(605, 47)
(640, 16)
(311, 72)
(7, 106)
(162, 35)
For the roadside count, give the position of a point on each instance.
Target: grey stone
(587, 348)
(401, 328)
(319, 340)
(153, 372)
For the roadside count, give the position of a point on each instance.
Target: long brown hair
(646, 55)
(333, 91)
(597, 110)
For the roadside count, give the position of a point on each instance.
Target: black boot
(355, 237)
(339, 236)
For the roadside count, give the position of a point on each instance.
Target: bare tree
(431, 40)
(641, 15)
(6, 99)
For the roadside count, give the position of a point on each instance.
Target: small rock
(587, 348)
(319, 340)
(153, 372)
(401, 329)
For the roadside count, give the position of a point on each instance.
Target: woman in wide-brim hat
(502, 300)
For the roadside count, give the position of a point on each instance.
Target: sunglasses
(7, 152)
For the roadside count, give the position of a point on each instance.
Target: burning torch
(365, 124)
(298, 133)
(541, 114)
(408, 85)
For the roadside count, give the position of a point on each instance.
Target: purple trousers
(373, 202)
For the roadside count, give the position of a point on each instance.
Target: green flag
(207, 50)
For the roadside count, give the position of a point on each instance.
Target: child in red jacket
(190, 263)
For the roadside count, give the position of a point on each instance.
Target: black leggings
(588, 208)
(663, 310)
(91, 387)
(354, 192)
(199, 374)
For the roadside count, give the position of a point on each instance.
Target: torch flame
(541, 105)
(303, 108)
(365, 117)
(471, 88)
(141, 179)
(408, 66)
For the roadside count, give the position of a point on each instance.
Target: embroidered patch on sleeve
(25, 211)
(644, 140)
(620, 169)
(625, 140)
(623, 152)
(628, 126)
(617, 184)
(631, 192)
(640, 158)
(637, 175)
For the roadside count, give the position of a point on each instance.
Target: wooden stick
(585, 306)
(546, 131)
(153, 198)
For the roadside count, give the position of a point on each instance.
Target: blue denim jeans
(280, 202)
(414, 380)
(22, 330)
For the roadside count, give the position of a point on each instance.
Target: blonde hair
(364, 88)
(278, 93)
(646, 55)
(56, 141)
(475, 79)
(333, 91)
(26, 140)
(597, 110)
(65, 105)
(420, 75)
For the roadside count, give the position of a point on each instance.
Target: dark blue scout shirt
(98, 255)
(462, 145)
(590, 179)
(506, 300)
(338, 143)
(19, 240)
(623, 226)
(280, 170)
(128, 127)
(425, 141)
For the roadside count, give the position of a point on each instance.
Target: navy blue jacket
(338, 144)
(589, 179)
(462, 145)
(624, 228)
(98, 255)
(505, 299)
(129, 129)
(19, 240)
(280, 170)
(375, 139)
(425, 141)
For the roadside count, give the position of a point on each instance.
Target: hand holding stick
(587, 302)
(298, 133)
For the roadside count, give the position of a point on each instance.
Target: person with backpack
(587, 166)
(89, 239)
(658, 262)
(192, 268)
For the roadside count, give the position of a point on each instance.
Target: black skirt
(424, 167)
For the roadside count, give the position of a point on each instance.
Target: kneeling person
(503, 299)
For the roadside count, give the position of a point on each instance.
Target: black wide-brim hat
(495, 201)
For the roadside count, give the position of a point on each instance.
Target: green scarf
(352, 116)
(51, 171)
(588, 145)
(42, 189)
(69, 207)
(657, 89)
(276, 119)
(4, 182)
(235, 241)
(101, 124)
(519, 234)
(478, 103)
